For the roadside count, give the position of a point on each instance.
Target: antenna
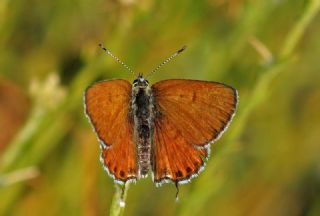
(116, 58)
(167, 60)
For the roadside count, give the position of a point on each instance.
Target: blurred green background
(267, 163)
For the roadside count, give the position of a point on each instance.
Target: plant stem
(118, 200)
(260, 90)
(297, 32)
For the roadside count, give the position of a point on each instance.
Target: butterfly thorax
(143, 115)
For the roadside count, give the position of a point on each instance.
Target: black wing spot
(188, 169)
(179, 173)
(122, 173)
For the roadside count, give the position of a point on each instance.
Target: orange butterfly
(166, 128)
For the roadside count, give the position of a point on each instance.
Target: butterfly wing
(190, 116)
(174, 158)
(107, 106)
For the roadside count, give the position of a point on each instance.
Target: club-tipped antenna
(116, 58)
(167, 60)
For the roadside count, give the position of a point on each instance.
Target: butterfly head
(140, 82)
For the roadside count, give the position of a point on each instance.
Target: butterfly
(166, 128)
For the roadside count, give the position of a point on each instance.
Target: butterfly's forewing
(191, 115)
(107, 106)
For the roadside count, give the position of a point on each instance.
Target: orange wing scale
(107, 106)
(191, 115)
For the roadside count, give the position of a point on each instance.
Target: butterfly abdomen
(143, 112)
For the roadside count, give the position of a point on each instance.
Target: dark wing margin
(107, 105)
